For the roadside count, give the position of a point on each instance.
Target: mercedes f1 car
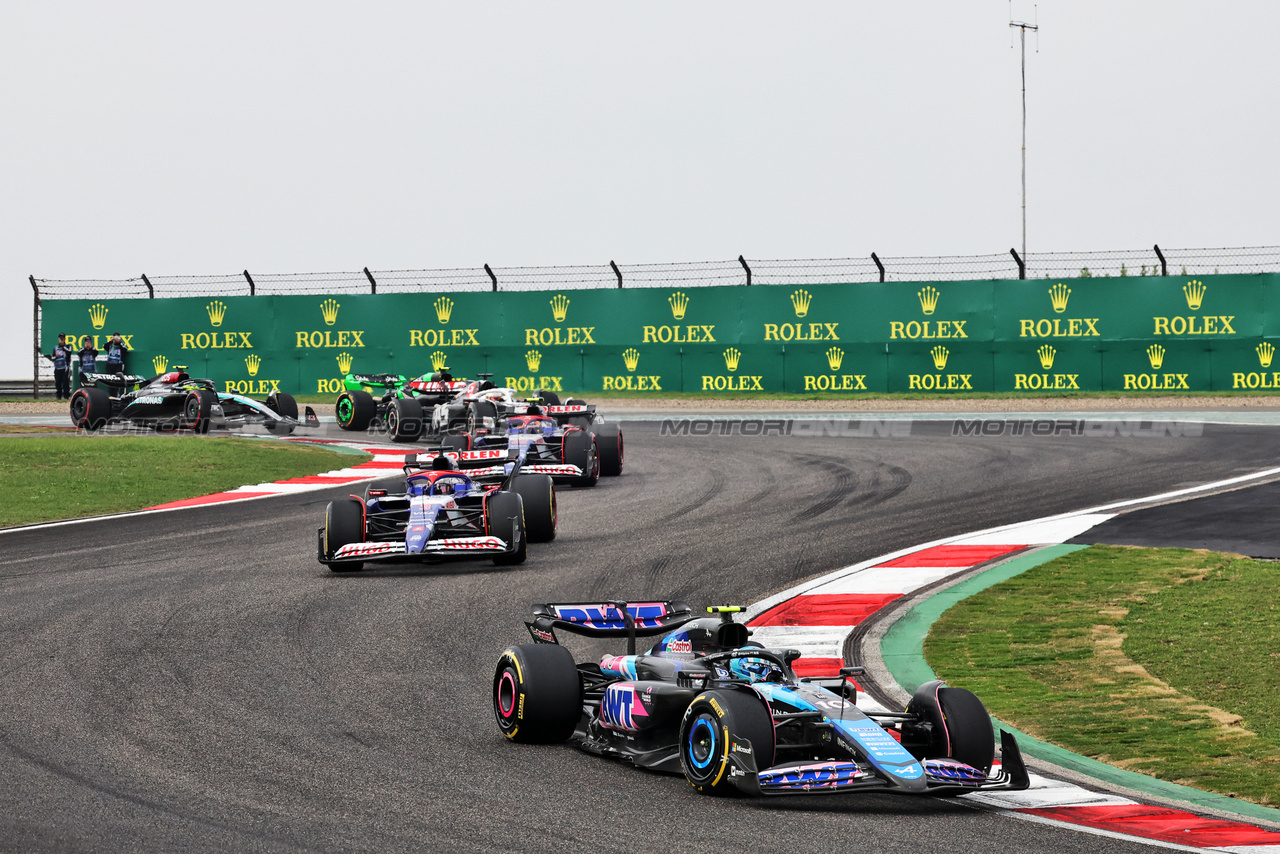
(403, 407)
(731, 715)
(177, 401)
(443, 514)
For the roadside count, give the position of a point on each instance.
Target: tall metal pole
(1023, 27)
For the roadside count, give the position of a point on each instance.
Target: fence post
(492, 277)
(617, 273)
(373, 285)
(35, 339)
(878, 265)
(1164, 268)
(1022, 268)
(743, 262)
(249, 279)
(151, 292)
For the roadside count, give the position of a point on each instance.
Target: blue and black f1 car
(731, 715)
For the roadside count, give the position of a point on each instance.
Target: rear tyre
(195, 410)
(499, 510)
(343, 524)
(711, 724)
(404, 420)
(90, 408)
(355, 410)
(579, 449)
(482, 415)
(537, 693)
(549, 398)
(609, 439)
(961, 725)
(538, 494)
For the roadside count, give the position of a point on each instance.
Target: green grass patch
(1161, 661)
(64, 477)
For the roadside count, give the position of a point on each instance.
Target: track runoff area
(823, 617)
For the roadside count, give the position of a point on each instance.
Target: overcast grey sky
(181, 138)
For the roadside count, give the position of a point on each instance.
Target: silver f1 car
(177, 401)
(730, 715)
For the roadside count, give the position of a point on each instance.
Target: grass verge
(1161, 661)
(65, 477)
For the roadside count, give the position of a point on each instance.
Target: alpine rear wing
(628, 620)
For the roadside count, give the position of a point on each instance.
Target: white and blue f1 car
(730, 715)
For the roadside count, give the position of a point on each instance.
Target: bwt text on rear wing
(628, 620)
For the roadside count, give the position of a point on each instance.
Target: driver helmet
(756, 670)
(444, 488)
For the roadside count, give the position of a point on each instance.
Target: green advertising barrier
(1183, 333)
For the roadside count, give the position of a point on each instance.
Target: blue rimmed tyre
(713, 724)
(537, 693)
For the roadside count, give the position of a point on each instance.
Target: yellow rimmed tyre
(715, 724)
(537, 693)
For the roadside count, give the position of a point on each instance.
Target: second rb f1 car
(732, 716)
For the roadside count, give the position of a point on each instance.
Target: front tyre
(537, 693)
(609, 440)
(538, 494)
(343, 525)
(961, 725)
(195, 410)
(578, 448)
(713, 724)
(284, 405)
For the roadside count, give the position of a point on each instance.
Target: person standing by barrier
(116, 349)
(88, 358)
(61, 358)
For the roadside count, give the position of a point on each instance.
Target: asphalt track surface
(1241, 521)
(195, 680)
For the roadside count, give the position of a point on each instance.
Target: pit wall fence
(1151, 333)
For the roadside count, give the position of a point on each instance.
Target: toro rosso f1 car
(177, 401)
(569, 454)
(732, 716)
(443, 514)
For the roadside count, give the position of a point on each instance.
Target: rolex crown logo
(329, 309)
(928, 299)
(217, 310)
(631, 358)
(1046, 354)
(559, 307)
(252, 362)
(1194, 292)
(940, 355)
(98, 315)
(1265, 352)
(438, 361)
(679, 302)
(1058, 295)
(159, 363)
(800, 301)
(1156, 354)
(444, 308)
(533, 359)
(834, 357)
(731, 357)
(344, 363)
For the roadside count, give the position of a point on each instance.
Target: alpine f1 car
(731, 715)
(443, 514)
(403, 407)
(177, 401)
